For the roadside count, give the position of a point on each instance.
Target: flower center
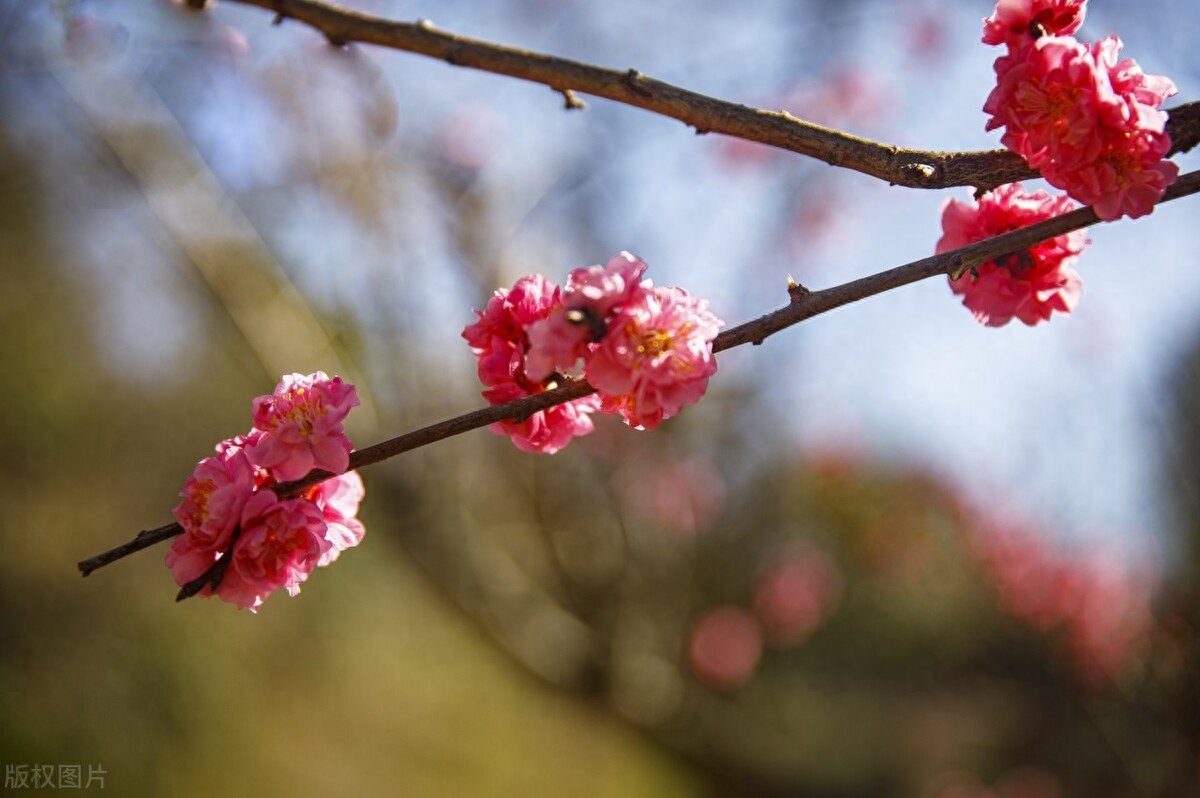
(652, 342)
(200, 495)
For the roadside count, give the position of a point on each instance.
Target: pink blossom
(213, 499)
(500, 341)
(499, 338)
(1128, 79)
(546, 431)
(592, 295)
(656, 356)
(1128, 173)
(1028, 285)
(338, 499)
(281, 542)
(724, 648)
(1128, 178)
(1048, 98)
(798, 591)
(1017, 22)
(1091, 123)
(300, 426)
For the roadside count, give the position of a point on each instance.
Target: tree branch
(898, 166)
(804, 304)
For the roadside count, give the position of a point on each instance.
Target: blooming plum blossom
(281, 541)
(1089, 121)
(546, 431)
(1048, 98)
(499, 338)
(646, 350)
(230, 511)
(591, 296)
(213, 499)
(1014, 21)
(338, 498)
(656, 356)
(299, 427)
(500, 341)
(1029, 285)
(1129, 172)
(1128, 177)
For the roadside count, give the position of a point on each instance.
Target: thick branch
(904, 167)
(804, 304)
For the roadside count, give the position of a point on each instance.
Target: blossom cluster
(230, 510)
(646, 350)
(1090, 122)
(1028, 285)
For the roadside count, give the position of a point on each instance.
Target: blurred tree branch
(804, 304)
(898, 166)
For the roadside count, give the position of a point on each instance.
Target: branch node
(796, 291)
(571, 100)
(279, 18)
(425, 24)
(632, 79)
(957, 267)
(335, 41)
(196, 5)
(921, 173)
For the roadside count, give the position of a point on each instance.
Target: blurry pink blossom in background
(798, 591)
(724, 647)
(1097, 602)
(685, 496)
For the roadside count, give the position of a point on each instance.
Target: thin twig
(804, 304)
(898, 166)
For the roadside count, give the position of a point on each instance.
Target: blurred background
(891, 553)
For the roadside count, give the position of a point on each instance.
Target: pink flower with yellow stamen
(655, 357)
(299, 427)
